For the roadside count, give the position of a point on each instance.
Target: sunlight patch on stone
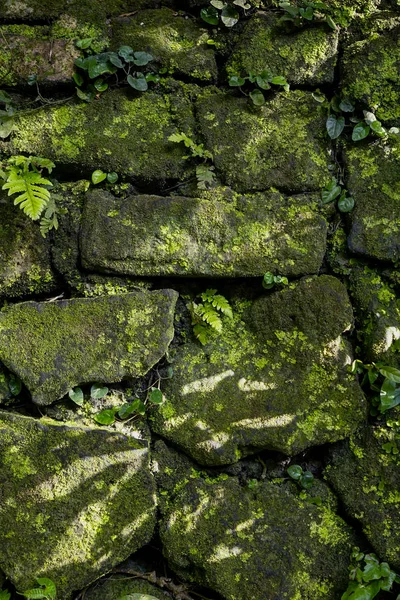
(391, 335)
(262, 422)
(257, 386)
(223, 552)
(208, 384)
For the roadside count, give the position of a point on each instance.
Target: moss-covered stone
(122, 131)
(176, 42)
(281, 144)
(75, 501)
(24, 255)
(223, 235)
(29, 51)
(373, 179)
(276, 377)
(5, 393)
(378, 315)
(120, 586)
(304, 56)
(365, 473)
(262, 543)
(55, 346)
(371, 74)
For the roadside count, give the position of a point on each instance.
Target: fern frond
(210, 316)
(222, 304)
(207, 295)
(32, 197)
(201, 332)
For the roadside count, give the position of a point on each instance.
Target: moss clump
(24, 255)
(65, 498)
(55, 346)
(122, 132)
(153, 235)
(276, 377)
(371, 74)
(120, 586)
(175, 42)
(5, 393)
(374, 182)
(305, 56)
(263, 543)
(281, 144)
(365, 473)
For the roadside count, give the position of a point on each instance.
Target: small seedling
(332, 191)
(368, 577)
(227, 13)
(304, 478)
(204, 172)
(270, 280)
(98, 176)
(261, 81)
(383, 380)
(207, 315)
(45, 591)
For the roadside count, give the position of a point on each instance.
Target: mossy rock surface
(28, 51)
(5, 393)
(222, 235)
(373, 179)
(365, 473)
(276, 377)
(371, 74)
(57, 345)
(177, 43)
(281, 144)
(262, 543)
(25, 267)
(122, 131)
(75, 501)
(377, 309)
(119, 586)
(304, 56)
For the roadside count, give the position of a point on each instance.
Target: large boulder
(224, 236)
(54, 346)
(373, 179)
(303, 56)
(261, 543)
(371, 74)
(276, 377)
(25, 267)
(281, 144)
(75, 501)
(365, 473)
(122, 132)
(176, 42)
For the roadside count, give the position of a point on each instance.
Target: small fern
(207, 315)
(23, 176)
(46, 591)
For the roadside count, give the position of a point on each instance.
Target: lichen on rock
(75, 501)
(57, 345)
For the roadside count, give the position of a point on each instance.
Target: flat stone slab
(275, 378)
(262, 543)
(122, 131)
(303, 56)
(282, 144)
(75, 501)
(371, 74)
(176, 42)
(25, 266)
(54, 346)
(373, 173)
(220, 236)
(365, 474)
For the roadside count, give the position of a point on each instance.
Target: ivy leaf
(116, 61)
(87, 96)
(112, 177)
(155, 396)
(307, 480)
(217, 4)
(257, 97)
(76, 396)
(377, 128)
(210, 15)
(279, 80)
(229, 16)
(330, 192)
(236, 81)
(125, 52)
(334, 126)
(15, 385)
(346, 106)
(360, 131)
(84, 44)
(390, 373)
(142, 58)
(98, 176)
(105, 417)
(389, 395)
(78, 78)
(6, 126)
(138, 83)
(97, 391)
(346, 204)
(128, 409)
(100, 85)
(46, 591)
(295, 472)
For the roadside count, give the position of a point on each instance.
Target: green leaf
(138, 83)
(142, 58)
(242, 3)
(389, 396)
(217, 4)
(334, 126)
(360, 131)
(292, 10)
(257, 97)
(391, 373)
(331, 22)
(205, 177)
(4, 595)
(105, 417)
(236, 81)
(307, 13)
(76, 396)
(295, 472)
(5, 98)
(346, 204)
(15, 385)
(330, 192)
(268, 281)
(112, 177)
(125, 52)
(128, 409)
(155, 396)
(84, 44)
(47, 590)
(371, 571)
(6, 126)
(98, 391)
(78, 78)
(152, 77)
(346, 106)
(100, 85)
(98, 176)
(210, 15)
(137, 597)
(279, 80)
(307, 480)
(33, 198)
(377, 128)
(116, 61)
(229, 16)
(99, 65)
(87, 96)
(201, 332)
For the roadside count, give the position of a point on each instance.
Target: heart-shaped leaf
(334, 126)
(98, 391)
(76, 396)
